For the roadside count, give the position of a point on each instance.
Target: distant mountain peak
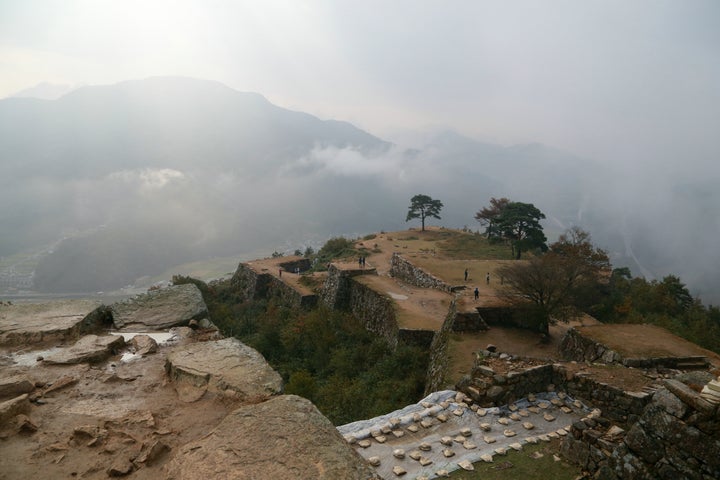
(44, 91)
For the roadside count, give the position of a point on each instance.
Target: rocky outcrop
(89, 349)
(223, 366)
(284, 437)
(160, 309)
(58, 321)
(407, 272)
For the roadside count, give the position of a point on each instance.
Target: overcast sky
(635, 82)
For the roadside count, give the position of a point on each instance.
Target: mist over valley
(112, 183)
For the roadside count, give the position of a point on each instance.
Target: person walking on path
(466, 272)
(487, 278)
(477, 293)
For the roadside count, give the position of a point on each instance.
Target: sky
(633, 83)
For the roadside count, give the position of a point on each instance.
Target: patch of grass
(370, 236)
(522, 465)
(467, 246)
(312, 282)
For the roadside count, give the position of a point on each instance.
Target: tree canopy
(488, 215)
(514, 222)
(560, 283)
(423, 206)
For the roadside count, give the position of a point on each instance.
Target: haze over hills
(146, 174)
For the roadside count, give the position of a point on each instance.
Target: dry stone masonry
(409, 273)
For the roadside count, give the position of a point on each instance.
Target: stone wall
(677, 436)
(469, 322)
(412, 275)
(249, 283)
(673, 433)
(489, 388)
(336, 290)
(576, 347)
(507, 317)
(375, 310)
(439, 352)
(418, 338)
(253, 285)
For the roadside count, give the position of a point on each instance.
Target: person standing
(477, 293)
(466, 272)
(487, 279)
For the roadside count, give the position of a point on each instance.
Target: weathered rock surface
(144, 344)
(89, 349)
(51, 321)
(223, 365)
(160, 309)
(285, 437)
(12, 407)
(15, 385)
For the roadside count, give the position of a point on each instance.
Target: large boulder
(285, 437)
(27, 323)
(222, 365)
(89, 349)
(160, 309)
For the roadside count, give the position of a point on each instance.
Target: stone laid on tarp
(89, 349)
(27, 323)
(452, 431)
(284, 437)
(223, 365)
(160, 309)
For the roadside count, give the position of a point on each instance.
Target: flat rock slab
(89, 349)
(160, 309)
(285, 437)
(37, 322)
(223, 365)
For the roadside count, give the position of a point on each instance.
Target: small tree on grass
(422, 206)
(560, 283)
